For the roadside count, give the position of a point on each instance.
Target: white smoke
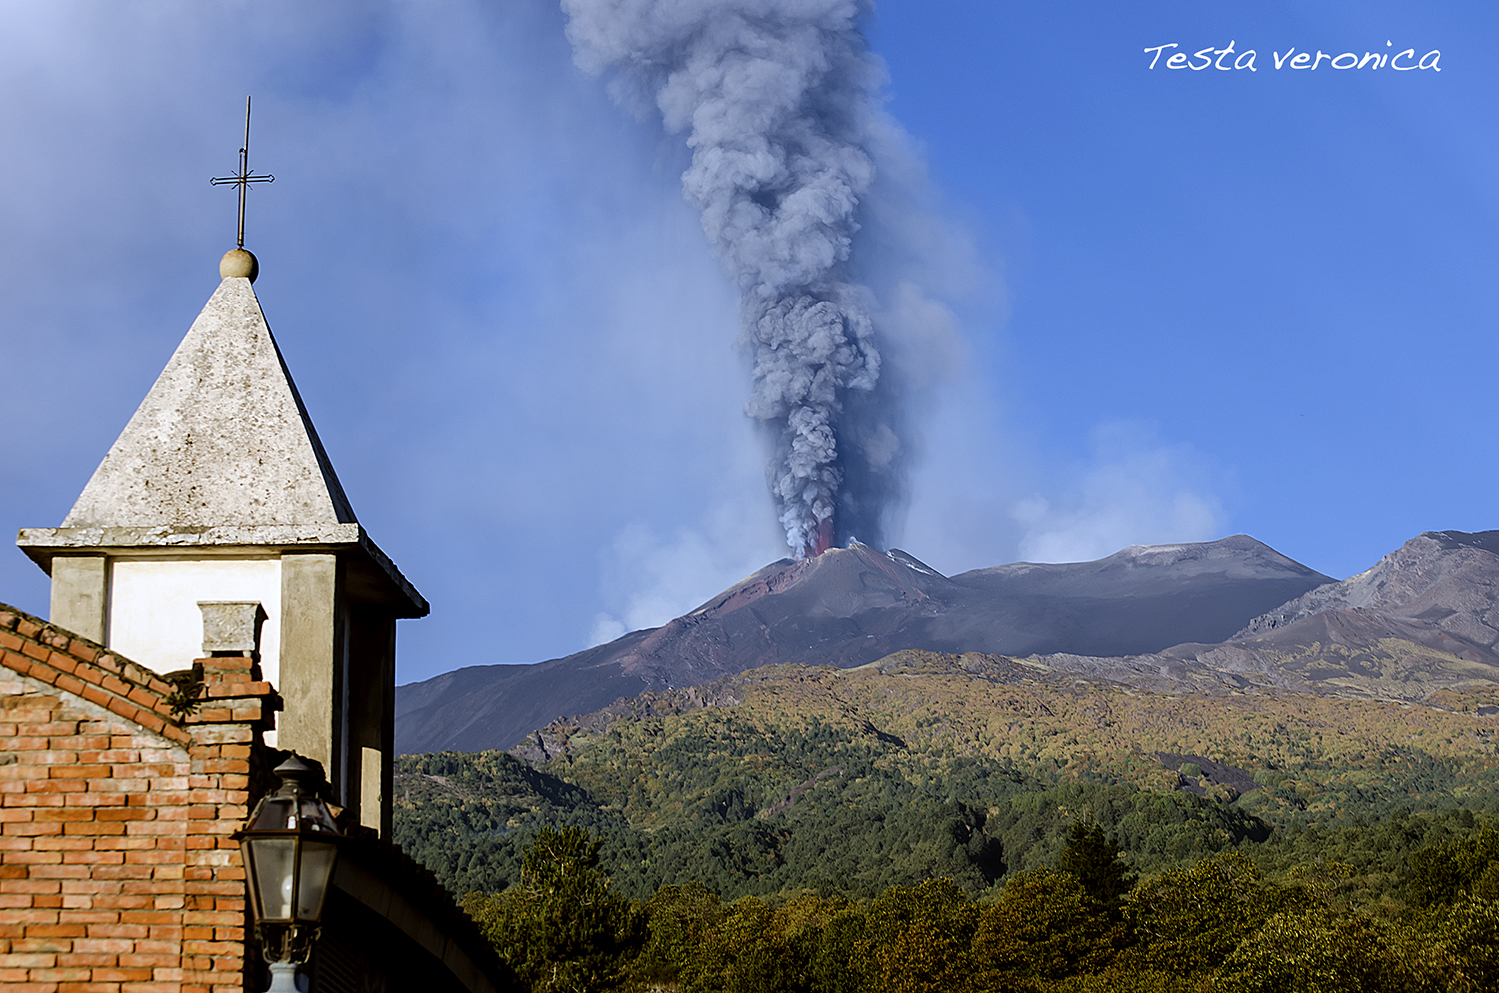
(776, 99)
(648, 578)
(1136, 491)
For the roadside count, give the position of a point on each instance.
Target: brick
(120, 873)
(105, 825)
(79, 771)
(92, 918)
(33, 829)
(77, 960)
(90, 857)
(31, 885)
(26, 742)
(61, 844)
(121, 975)
(81, 741)
(93, 676)
(108, 754)
(103, 946)
(30, 916)
(53, 731)
(58, 975)
(50, 946)
(55, 792)
(56, 931)
(98, 798)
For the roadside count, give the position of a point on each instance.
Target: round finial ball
(239, 263)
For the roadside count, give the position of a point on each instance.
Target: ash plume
(775, 97)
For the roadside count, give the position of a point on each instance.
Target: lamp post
(289, 844)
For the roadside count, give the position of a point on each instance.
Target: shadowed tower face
(218, 493)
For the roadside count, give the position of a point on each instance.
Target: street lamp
(289, 844)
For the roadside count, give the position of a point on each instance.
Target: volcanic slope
(923, 765)
(852, 606)
(1424, 618)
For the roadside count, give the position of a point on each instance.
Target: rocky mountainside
(1445, 580)
(852, 606)
(1422, 619)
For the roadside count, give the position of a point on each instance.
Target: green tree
(1317, 950)
(680, 920)
(1098, 865)
(917, 938)
(1188, 921)
(749, 953)
(1043, 927)
(836, 963)
(1465, 937)
(560, 928)
(1468, 866)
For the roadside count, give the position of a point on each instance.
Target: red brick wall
(117, 873)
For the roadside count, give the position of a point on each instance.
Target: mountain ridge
(852, 606)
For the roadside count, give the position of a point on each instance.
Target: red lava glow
(823, 541)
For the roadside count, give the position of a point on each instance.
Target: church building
(215, 606)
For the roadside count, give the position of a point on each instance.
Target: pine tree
(1098, 865)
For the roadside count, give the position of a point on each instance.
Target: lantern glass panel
(316, 871)
(315, 816)
(249, 863)
(276, 813)
(275, 873)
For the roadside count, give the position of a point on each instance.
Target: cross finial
(245, 177)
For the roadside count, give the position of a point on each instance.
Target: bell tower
(217, 492)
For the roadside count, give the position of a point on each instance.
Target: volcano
(850, 606)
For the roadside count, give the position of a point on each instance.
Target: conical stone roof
(221, 456)
(221, 440)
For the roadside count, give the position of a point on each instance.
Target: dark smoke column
(775, 98)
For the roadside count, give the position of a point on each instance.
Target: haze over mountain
(852, 606)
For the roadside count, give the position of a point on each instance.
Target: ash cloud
(776, 98)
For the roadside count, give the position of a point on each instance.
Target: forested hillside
(1084, 923)
(973, 768)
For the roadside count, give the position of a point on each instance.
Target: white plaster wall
(153, 613)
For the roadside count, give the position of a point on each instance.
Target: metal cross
(245, 176)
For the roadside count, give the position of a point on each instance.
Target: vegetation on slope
(922, 766)
(1079, 925)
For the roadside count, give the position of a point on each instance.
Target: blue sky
(1173, 305)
